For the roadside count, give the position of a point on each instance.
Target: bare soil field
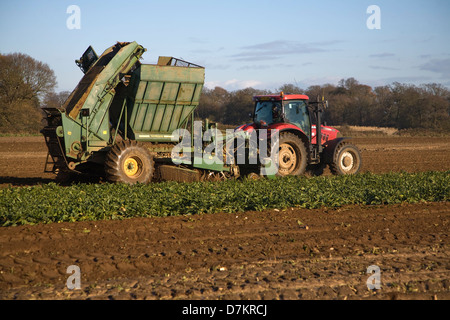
(275, 254)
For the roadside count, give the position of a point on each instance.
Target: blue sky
(262, 44)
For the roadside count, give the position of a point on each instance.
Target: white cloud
(279, 48)
(382, 55)
(383, 68)
(234, 84)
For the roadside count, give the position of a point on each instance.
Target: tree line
(398, 105)
(27, 85)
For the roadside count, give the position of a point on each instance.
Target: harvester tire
(129, 162)
(292, 157)
(64, 177)
(347, 160)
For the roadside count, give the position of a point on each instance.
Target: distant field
(360, 131)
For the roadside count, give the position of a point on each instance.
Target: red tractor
(299, 124)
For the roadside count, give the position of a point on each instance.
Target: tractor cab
(275, 110)
(293, 112)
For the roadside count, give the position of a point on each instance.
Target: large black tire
(129, 162)
(64, 176)
(292, 157)
(347, 160)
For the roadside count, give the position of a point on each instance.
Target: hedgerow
(53, 203)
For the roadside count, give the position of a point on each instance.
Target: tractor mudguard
(330, 148)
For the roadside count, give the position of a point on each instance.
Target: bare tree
(24, 78)
(290, 88)
(24, 82)
(55, 100)
(212, 103)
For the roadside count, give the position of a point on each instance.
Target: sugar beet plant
(53, 203)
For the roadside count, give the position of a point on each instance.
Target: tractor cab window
(268, 112)
(296, 112)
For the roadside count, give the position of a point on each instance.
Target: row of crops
(53, 203)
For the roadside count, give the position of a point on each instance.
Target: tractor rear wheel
(347, 160)
(129, 162)
(292, 156)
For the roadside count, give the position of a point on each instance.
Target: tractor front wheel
(129, 162)
(347, 160)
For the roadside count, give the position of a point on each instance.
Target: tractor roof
(280, 97)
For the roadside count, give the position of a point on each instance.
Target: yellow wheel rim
(131, 167)
(287, 159)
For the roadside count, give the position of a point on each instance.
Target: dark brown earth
(276, 254)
